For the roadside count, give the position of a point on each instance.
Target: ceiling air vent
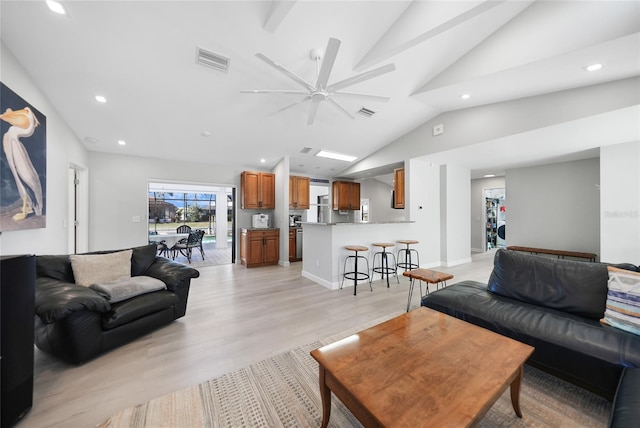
(212, 60)
(366, 112)
(306, 150)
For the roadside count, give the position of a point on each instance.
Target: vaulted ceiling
(141, 56)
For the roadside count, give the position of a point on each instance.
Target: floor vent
(366, 112)
(212, 60)
(306, 150)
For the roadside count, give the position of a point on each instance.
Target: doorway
(495, 210)
(77, 210)
(210, 208)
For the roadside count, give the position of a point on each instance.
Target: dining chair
(194, 240)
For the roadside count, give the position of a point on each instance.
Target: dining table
(170, 239)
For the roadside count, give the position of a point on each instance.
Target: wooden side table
(428, 276)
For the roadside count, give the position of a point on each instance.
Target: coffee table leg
(325, 394)
(515, 392)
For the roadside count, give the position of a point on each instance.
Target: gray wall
(555, 206)
(379, 195)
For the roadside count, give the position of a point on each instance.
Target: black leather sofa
(555, 306)
(75, 323)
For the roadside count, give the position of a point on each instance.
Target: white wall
(488, 122)
(280, 216)
(455, 206)
(63, 149)
(620, 203)
(555, 206)
(118, 193)
(422, 204)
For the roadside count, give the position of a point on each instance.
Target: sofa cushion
(132, 309)
(142, 258)
(623, 300)
(570, 286)
(56, 267)
(91, 269)
(126, 288)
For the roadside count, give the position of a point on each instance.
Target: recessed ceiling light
(101, 99)
(122, 142)
(593, 67)
(337, 156)
(263, 160)
(91, 140)
(56, 7)
(205, 133)
(465, 96)
(489, 175)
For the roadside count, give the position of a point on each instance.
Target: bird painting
(23, 124)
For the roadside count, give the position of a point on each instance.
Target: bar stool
(406, 262)
(385, 267)
(355, 275)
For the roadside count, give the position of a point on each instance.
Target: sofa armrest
(171, 273)
(56, 299)
(626, 406)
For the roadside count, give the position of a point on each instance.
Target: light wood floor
(235, 317)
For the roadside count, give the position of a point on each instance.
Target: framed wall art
(23, 163)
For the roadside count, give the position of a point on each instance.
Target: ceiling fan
(321, 91)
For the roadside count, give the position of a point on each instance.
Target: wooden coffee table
(427, 275)
(422, 368)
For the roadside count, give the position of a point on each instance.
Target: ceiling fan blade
(313, 109)
(296, 103)
(340, 107)
(361, 77)
(371, 97)
(274, 91)
(286, 72)
(327, 63)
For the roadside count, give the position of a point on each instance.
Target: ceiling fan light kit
(319, 92)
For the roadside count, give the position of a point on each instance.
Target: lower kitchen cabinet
(259, 247)
(292, 245)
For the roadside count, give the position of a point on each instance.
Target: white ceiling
(141, 55)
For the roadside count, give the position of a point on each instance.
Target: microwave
(260, 221)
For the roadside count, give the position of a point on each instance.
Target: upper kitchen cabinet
(346, 195)
(398, 188)
(258, 190)
(299, 192)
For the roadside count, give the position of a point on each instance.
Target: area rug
(282, 391)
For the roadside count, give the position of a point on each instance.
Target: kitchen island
(324, 243)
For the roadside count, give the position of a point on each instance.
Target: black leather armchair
(75, 323)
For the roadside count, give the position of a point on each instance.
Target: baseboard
(321, 281)
(457, 262)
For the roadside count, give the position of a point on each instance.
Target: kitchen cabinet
(346, 195)
(259, 247)
(258, 190)
(299, 192)
(398, 188)
(292, 245)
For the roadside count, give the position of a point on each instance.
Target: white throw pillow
(91, 269)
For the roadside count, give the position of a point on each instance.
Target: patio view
(172, 206)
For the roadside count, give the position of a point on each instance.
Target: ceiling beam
(277, 12)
